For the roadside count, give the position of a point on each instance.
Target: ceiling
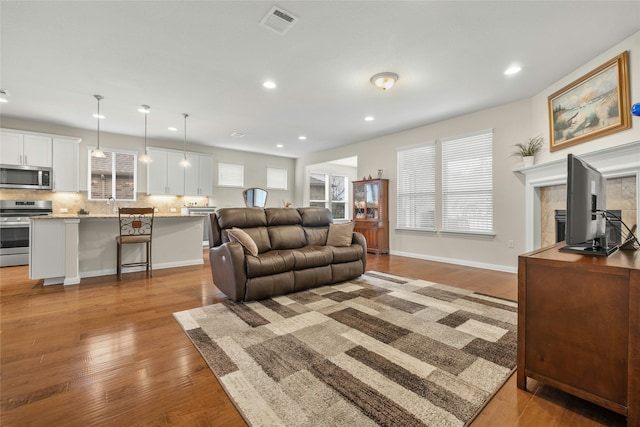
(210, 58)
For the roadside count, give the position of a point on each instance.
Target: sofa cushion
(312, 256)
(240, 236)
(316, 236)
(241, 217)
(315, 217)
(259, 235)
(286, 237)
(340, 234)
(282, 216)
(269, 263)
(347, 254)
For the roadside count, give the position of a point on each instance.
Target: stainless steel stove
(14, 228)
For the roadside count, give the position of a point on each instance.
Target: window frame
(425, 193)
(114, 175)
(222, 165)
(462, 149)
(328, 201)
(272, 180)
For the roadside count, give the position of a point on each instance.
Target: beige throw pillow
(240, 236)
(340, 234)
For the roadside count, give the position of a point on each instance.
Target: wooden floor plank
(109, 352)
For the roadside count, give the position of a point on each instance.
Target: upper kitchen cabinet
(198, 178)
(25, 149)
(66, 164)
(164, 173)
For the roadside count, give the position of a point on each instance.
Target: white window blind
(416, 187)
(230, 175)
(467, 183)
(276, 178)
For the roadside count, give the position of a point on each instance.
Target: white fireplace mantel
(612, 162)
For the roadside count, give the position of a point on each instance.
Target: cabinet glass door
(372, 200)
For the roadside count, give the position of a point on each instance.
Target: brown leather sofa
(292, 252)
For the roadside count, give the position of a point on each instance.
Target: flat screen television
(586, 229)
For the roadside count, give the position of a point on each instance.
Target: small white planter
(528, 161)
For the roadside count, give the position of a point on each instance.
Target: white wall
(255, 165)
(511, 123)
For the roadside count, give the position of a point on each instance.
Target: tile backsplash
(73, 202)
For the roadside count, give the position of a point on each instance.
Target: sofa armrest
(358, 239)
(228, 269)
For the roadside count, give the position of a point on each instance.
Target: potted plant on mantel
(528, 150)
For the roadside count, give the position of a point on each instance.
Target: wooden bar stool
(136, 225)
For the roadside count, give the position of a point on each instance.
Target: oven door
(14, 244)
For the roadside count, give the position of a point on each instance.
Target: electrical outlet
(64, 210)
(511, 244)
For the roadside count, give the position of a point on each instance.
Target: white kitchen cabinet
(198, 180)
(164, 173)
(25, 149)
(65, 164)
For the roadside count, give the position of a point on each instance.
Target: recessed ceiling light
(269, 84)
(369, 119)
(279, 145)
(173, 128)
(98, 116)
(512, 70)
(237, 134)
(3, 95)
(302, 137)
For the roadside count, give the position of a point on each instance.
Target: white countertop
(107, 216)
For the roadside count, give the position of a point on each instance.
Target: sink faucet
(115, 205)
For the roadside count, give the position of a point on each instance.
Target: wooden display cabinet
(371, 213)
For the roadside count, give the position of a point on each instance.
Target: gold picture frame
(595, 105)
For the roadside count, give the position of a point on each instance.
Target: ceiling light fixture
(279, 145)
(368, 119)
(145, 158)
(173, 128)
(384, 81)
(302, 137)
(185, 163)
(269, 84)
(4, 96)
(237, 135)
(512, 70)
(97, 152)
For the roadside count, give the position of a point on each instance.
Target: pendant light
(185, 162)
(97, 152)
(145, 158)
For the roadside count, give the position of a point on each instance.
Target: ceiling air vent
(278, 20)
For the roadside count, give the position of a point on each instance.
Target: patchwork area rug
(377, 350)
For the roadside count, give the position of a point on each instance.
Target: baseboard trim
(159, 266)
(464, 262)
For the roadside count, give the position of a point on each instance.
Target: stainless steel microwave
(25, 177)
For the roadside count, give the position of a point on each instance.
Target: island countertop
(103, 216)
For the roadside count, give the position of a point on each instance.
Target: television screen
(586, 209)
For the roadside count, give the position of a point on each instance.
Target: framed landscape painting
(595, 105)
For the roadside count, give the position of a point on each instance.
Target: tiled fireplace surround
(545, 188)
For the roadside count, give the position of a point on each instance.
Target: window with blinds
(276, 179)
(230, 175)
(467, 183)
(416, 187)
(113, 175)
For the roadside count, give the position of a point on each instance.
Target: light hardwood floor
(110, 353)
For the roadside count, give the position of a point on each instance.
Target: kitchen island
(65, 248)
